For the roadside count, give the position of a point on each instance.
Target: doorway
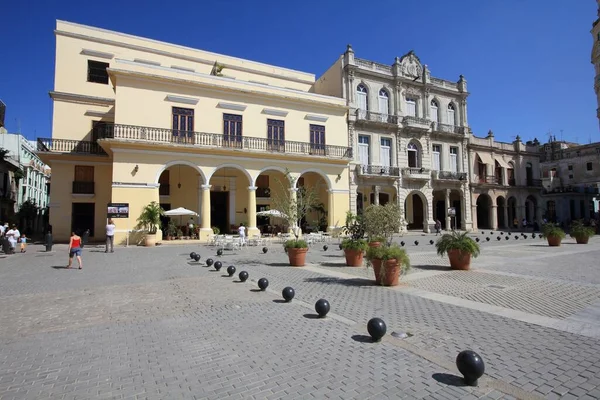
(417, 209)
(82, 217)
(219, 210)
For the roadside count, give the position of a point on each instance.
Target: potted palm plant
(294, 207)
(171, 231)
(581, 233)
(149, 220)
(459, 247)
(553, 233)
(391, 262)
(354, 246)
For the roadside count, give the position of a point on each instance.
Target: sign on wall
(452, 212)
(118, 210)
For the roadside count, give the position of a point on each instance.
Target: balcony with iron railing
(417, 123)
(449, 176)
(486, 180)
(416, 173)
(445, 128)
(364, 115)
(142, 134)
(83, 187)
(379, 170)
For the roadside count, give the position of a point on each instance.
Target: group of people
(14, 236)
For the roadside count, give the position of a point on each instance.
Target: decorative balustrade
(364, 115)
(380, 170)
(200, 139)
(81, 187)
(416, 122)
(445, 128)
(487, 179)
(416, 173)
(448, 175)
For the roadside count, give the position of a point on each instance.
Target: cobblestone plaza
(150, 323)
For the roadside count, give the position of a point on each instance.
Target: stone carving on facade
(412, 91)
(410, 65)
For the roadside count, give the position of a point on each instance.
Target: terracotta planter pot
(459, 260)
(374, 244)
(391, 275)
(376, 263)
(150, 240)
(582, 239)
(354, 258)
(297, 257)
(554, 241)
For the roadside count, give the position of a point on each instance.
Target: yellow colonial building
(137, 120)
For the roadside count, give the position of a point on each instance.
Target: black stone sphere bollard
(471, 366)
(219, 252)
(325, 247)
(265, 250)
(516, 237)
(533, 235)
(487, 239)
(322, 307)
(501, 233)
(402, 243)
(218, 265)
(499, 238)
(340, 246)
(192, 255)
(416, 242)
(431, 242)
(376, 328)
(477, 240)
(196, 257)
(231, 270)
(263, 283)
(209, 262)
(288, 294)
(243, 276)
(508, 237)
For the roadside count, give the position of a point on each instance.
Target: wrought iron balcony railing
(448, 175)
(80, 187)
(416, 173)
(445, 128)
(364, 115)
(199, 139)
(379, 170)
(416, 121)
(487, 179)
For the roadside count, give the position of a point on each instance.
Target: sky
(527, 62)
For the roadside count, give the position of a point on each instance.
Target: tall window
(453, 159)
(529, 174)
(385, 152)
(411, 107)
(510, 174)
(317, 139)
(413, 155)
(451, 115)
(183, 122)
(434, 111)
(276, 135)
(232, 130)
(363, 149)
(361, 101)
(551, 210)
(97, 72)
(436, 150)
(384, 105)
(498, 172)
(83, 182)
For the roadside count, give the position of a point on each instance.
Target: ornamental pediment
(410, 65)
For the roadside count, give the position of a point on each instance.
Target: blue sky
(527, 62)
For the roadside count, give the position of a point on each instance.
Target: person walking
(75, 250)
(242, 233)
(438, 227)
(110, 236)
(23, 243)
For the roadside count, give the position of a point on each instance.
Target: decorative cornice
(99, 54)
(277, 113)
(232, 106)
(135, 185)
(80, 98)
(101, 114)
(146, 62)
(181, 99)
(178, 68)
(318, 118)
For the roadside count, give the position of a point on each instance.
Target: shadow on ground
(339, 281)
(432, 267)
(449, 379)
(362, 338)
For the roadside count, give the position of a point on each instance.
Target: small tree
(149, 219)
(381, 222)
(295, 205)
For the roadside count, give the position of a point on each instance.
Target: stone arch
(180, 162)
(500, 214)
(410, 146)
(369, 93)
(512, 206)
(416, 216)
(271, 168)
(438, 102)
(318, 172)
(234, 166)
(484, 207)
(531, 206)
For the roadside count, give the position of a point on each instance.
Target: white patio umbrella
(271, 213)
(180, 211)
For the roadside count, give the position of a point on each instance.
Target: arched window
(434, 111)
(411, 107)
(384, 103)
(361, 98)
(413, 155)
(451, 115)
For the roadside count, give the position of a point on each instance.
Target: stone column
(506, 221)
(200, 200)
(252, 229)
(447, 216)
(293, 194)
(376, 189)
(474, 216)
(330, 211)
(494, 219)
(206, 229)
(232, 191)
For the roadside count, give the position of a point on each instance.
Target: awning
(486, 158)
(503, 163)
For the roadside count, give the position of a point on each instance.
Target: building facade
(8, 188)
(409, 132)
(138, 120)
(571, 180)
(595, 58)
(505, 183)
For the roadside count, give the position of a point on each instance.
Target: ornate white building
(596, 57)
(409, 132)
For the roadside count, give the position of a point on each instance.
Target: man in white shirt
(242, 233)
(110, 236)
(13, 236)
